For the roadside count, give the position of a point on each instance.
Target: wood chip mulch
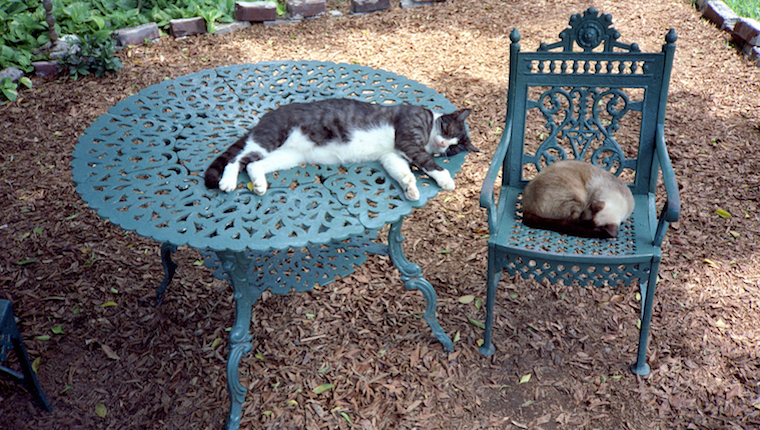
(143, 366)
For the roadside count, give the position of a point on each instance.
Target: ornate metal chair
(10, 339)
(603, 104)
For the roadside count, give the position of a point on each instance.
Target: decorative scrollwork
(588, 31)
(609, 157)
(581, 122)
(616, 106)
(303, 268)
(141, 165)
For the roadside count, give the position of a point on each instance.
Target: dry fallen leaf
(109, 352)
(100, 410)
(466, 299)
(322, 388)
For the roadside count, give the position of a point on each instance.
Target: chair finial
(514, 36)
(671, 37)
(588, 30)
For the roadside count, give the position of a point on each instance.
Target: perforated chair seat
(543, 254)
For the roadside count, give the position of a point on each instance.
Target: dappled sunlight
(64, 266)
(452, 51)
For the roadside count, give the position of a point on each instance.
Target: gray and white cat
(344, 131)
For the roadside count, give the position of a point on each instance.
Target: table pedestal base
(240, 269)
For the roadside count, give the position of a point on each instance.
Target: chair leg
(647, 301)
(27, 378)
(30, 379)
(494, 274)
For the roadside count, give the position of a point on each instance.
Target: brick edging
(745, 32)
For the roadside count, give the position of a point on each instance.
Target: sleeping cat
(344, 131)
(577, 198)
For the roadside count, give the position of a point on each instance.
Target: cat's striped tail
(214, 172)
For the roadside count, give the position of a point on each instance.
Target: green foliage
(23, 27)
(9, 89)
(745, 8)
(96, 56)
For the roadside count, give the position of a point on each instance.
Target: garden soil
(562, 352)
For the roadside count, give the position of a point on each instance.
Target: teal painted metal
(302, 269)
(10, 339)
(579, 103)
(411, 274)
(141, 166)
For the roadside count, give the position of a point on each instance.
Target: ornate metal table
(141, 166)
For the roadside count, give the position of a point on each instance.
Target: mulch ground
(163, 367)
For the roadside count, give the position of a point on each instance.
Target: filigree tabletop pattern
(141, 165)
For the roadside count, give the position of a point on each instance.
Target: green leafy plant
(96, 56)
(78, 18)
(746, 8)
(22, 29)
(9, 89)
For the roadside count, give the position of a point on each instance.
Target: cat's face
(453, 138)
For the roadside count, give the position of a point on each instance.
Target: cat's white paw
(443, 179)
(258, 179)
(447, 184)
(411, 192)
(260, 187)
(228, 183)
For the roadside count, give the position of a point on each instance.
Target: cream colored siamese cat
(577, 198)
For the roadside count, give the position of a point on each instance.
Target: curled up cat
(577, 198)
(345, 131)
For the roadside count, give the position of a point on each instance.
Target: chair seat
(540, 254)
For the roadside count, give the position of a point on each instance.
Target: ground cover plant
(23, 28)
(356, 354)
(746, 8)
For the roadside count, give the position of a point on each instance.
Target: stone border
(246, 13)
(745, 32)
(262, 12)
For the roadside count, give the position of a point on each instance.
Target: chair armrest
(672, 208)
(487, 200)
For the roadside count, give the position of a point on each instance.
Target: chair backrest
(586, 97)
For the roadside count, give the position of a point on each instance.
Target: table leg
(411, 274)
(236, 265)
(169, 268)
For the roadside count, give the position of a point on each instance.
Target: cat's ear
(596, 206)
(610, 230)
(462, 114)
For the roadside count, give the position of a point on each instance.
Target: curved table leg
(411, 274)
(236, 265)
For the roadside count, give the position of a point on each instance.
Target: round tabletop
(141, 164)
